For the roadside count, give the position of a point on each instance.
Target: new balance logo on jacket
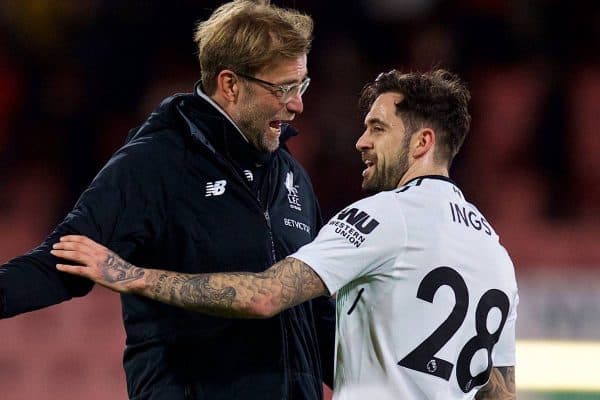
(215, 188)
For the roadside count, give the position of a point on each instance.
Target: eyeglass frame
(283, 89)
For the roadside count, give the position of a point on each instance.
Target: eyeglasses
(285, 93)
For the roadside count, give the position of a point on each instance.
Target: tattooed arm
(238, 294)
(501, 385)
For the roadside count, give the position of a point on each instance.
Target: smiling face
(259, 112)
(384, 145)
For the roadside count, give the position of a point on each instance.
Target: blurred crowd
(76, 75)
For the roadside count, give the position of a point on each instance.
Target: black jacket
(178, 196)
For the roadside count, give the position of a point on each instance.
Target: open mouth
(370, 164)
(275, 126)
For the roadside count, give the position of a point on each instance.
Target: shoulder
(161, 145)
(380, 203)
(378, 210)
(285, 157)
(151, 158)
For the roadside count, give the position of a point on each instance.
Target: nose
(363, 143)
(295, 105)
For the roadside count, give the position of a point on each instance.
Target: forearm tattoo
(501, 385)
(116, 270)
(296, 280)
(237, 294)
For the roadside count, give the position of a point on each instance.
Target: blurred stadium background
(75, 75)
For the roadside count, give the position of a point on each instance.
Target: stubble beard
(251, 117)
(387, 177)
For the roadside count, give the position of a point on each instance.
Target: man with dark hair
(426, 294)
(202, 185)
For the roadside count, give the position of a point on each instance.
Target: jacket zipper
(267, 216)
(271, 239)
(284, 343)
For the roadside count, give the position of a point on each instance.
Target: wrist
(138, 284)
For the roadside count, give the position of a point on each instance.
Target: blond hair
(247, 36)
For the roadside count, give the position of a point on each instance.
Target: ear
(423, 142)
(228, 86)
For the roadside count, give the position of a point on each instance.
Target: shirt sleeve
(356, 242)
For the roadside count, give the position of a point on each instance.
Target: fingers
(75, 246)
(80, 242)
(80, 239)
(74, 270)
(74, 255)
(78, 246)
(79, 249)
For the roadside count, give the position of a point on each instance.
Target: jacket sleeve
(324, 311)
(116, 210)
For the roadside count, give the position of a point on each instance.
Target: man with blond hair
(203, 184)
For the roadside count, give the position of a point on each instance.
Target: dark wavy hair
(436, 99)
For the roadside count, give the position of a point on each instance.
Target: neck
(416, 170)
(223, 106)
(220, 102)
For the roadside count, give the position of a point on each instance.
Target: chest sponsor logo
(293, 196)
(354, 225)
(215, 188)
(295, 224)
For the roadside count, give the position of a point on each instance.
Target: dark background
(76, 75)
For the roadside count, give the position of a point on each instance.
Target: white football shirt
(426, 294)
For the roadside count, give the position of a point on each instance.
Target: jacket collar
(199, 92)
(222, 133)
(197, 115)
